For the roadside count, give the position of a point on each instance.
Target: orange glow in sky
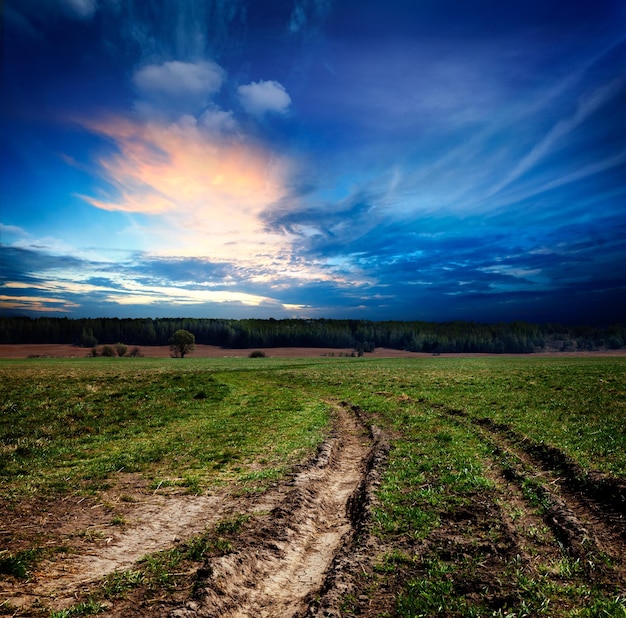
(205, 193)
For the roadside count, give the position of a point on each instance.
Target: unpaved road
(306, 548)
(281, 561)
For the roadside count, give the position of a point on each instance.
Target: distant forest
(360, 335)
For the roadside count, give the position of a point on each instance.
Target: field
(319, 486)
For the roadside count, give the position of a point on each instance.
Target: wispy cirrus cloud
(307, 15)
(587, 105)
(83, 9)
(166, 31)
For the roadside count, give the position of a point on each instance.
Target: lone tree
(182, 342)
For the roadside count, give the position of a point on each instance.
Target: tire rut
(586, 528)
(283, 561)
(154, 526)
(284, 556)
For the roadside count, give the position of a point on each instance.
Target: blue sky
(416, 160)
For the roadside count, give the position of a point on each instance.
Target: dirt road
(282, 559)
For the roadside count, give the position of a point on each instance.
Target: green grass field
(457, 542)
(69, 425)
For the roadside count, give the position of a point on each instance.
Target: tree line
(361, 335)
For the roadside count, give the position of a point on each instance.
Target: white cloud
(177, 86)
(217, 121)
(205, 191)
(261, 97)
(11, 230)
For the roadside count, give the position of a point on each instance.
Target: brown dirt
(281, 560)
(209, 351)
(201, 351)
(585, 511)
(96, 546)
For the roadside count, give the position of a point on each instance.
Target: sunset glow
(320, 159)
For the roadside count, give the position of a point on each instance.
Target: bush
(135, 352)
(107, 350)
(121, 349)
(257, 354)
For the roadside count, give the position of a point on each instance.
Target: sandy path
(153, 526)
(283, 561)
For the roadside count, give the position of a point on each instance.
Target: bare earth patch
(211, 351)
(100, 537)
(281, 559)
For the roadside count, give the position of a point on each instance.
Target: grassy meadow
(69, 426)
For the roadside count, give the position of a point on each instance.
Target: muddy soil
(281, 560)
(562, 533)
(307, 549)
(586, 511)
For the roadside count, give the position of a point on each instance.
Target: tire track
(155, 526)
(284, 555)
(588, 529)
(283, 561)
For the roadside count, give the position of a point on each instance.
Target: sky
(427, 160)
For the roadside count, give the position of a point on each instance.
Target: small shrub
(121, 349)
(135, 352)
(257, 354)
(107, 350)
(87, 339)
